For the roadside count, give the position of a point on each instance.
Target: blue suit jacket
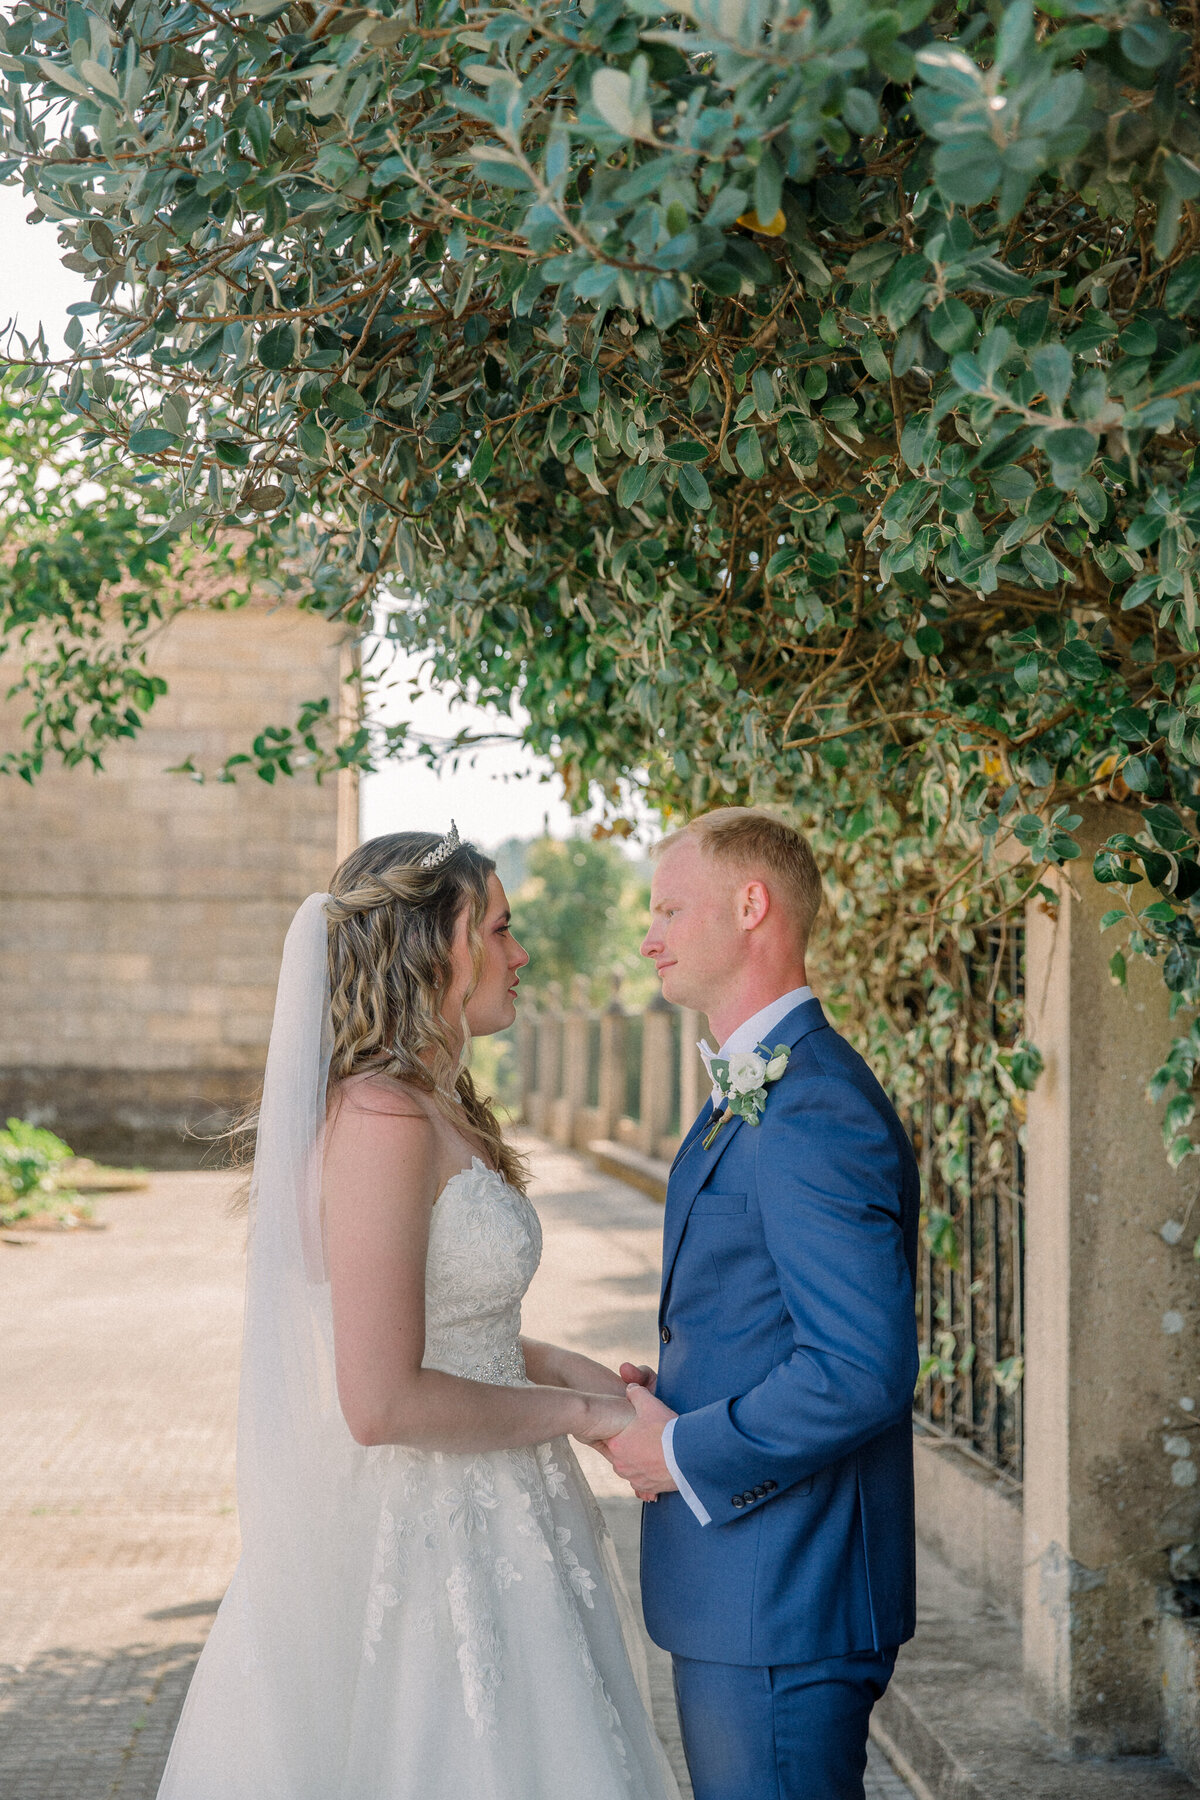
(789, 1351)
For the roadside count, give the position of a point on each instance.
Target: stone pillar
(142, 915)
(550, 1056)
(656, 1076)
(573, 1098)
(527, 1059)
(612, 1062)
(693, 1083)
(1111, 1326)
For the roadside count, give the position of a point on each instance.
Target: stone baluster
(656, 1076)
(693, 1082)
(572, 1099)
(612, 1061)
(528, 1025)
(549, 1057)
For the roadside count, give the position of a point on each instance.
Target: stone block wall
(142, 914)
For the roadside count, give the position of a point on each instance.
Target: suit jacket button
(759, 1493)
(665, 1334)
(769, 1487)
(738, 1500)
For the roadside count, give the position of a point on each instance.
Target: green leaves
(693, 487)
(998, 135)
(1052, 369)
(1182, 292)
(589, 387)
(748, 451)
(686, 450)
(1080, 661)
(277, 347)
(952, 325)
(150, 440)
(344, 400)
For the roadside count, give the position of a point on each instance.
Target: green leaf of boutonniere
(742, 1079)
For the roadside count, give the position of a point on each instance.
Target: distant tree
(575, 912)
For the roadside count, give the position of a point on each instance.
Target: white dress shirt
(751, 1032)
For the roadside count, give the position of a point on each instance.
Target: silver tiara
(444, 848)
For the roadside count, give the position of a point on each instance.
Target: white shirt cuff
(696, 1504)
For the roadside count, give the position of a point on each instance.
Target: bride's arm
(554, 1366)
(380, 1183)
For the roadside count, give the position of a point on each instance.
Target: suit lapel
(694, 1164)
(694, 1130)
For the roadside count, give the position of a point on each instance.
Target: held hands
(636, 1453)
(628, 1432)
(604, 1416)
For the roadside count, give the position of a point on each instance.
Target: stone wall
(142, 914)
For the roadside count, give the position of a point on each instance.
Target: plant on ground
(29, 1186)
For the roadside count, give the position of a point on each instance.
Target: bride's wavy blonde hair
(391, 936)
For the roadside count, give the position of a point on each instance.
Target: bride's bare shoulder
(372, 1093)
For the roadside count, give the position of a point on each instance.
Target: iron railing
(970, 1282)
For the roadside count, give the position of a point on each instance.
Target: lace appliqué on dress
(484, 1249)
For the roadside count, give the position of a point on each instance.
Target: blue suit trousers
(795, 1731)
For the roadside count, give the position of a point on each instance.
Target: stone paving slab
(117, 1524)
(955, 1712)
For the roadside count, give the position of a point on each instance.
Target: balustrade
(609, 1073)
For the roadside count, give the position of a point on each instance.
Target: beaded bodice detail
(485, 1243)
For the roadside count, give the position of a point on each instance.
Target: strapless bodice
(485, 1242)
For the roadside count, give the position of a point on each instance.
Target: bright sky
(497, 792)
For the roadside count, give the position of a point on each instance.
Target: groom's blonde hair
(755, 842)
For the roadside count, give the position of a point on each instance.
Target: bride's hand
(604, 1415)
(552, 1366)
(639, 1375)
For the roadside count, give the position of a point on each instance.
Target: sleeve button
(738, 1500)
(769, 1487)
(665, 1334)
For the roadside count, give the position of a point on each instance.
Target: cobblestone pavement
(117, 1526)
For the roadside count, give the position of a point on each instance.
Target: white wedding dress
(464, 1634)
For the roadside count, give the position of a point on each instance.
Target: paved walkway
(117, 1527)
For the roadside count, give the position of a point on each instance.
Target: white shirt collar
(755, 1029)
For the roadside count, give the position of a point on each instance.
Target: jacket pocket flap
(718, 1203)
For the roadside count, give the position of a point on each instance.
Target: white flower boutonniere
(742, 1079)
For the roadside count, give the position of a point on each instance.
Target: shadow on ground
(82, 1726)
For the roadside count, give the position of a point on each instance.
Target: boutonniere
(742, 1079)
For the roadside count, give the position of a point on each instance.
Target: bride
(427, 1604)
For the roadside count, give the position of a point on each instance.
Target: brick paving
(117, 1525)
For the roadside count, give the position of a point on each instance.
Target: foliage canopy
(785, 402)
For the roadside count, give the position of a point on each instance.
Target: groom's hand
(637, 1453)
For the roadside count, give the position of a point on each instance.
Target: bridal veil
(283, 1646)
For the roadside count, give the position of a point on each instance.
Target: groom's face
(694, 938)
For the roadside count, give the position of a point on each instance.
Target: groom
(777, 1563)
